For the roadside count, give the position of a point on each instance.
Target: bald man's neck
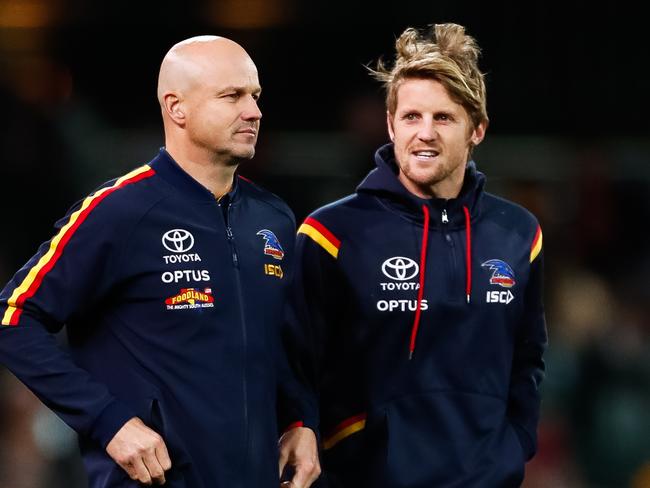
(217, 177)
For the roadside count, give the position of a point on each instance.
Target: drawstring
(468, 253)
(423, 263)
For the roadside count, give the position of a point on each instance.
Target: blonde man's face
(432, 135)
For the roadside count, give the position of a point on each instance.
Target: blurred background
(569, 139)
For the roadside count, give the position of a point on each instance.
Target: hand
(298, 448)
(141, 452)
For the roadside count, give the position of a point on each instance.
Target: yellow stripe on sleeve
(55, 247)
(537, 245)
(343, 433)
(319, 238)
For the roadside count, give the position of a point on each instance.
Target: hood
(383, 183)
(453, 213)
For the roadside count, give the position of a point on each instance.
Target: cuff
(302, 423)
(293, 425)
(109, 421)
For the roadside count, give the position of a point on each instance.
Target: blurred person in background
(37, 449)
(418, 300)
(601, 380)
(169, 280)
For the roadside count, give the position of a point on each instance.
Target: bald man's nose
(251, 110)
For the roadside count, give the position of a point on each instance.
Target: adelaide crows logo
(272, 246)
(502, 273)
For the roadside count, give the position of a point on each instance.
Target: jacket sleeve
(64, 280)
(312, 309)
(528, 365)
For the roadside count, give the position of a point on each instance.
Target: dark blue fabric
(463, 411)
(204, 377)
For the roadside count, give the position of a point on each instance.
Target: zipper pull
(235, 258)
(445, 219)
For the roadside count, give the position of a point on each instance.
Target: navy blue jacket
(172, 304)
(420, 325)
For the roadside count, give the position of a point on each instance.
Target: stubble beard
(242, 155)
(232, 155)
(427, 178)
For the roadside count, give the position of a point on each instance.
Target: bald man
(171, 282)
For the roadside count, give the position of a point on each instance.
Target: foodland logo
(190, 298)
(400, 268)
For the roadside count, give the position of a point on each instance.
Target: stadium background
(568, 103)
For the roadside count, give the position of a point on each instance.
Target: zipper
(235, 261)
(453, 271)
(229, 235)
(231, 242)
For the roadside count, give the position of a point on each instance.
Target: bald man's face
(220, 102)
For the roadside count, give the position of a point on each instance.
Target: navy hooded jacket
(420, 325)
(172, 303)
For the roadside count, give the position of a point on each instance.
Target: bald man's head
(187, 60)
(208, 89)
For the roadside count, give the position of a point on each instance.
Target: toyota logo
(400, 268)
(178, 240)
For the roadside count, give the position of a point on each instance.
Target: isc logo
(499, 297)
(273, 270)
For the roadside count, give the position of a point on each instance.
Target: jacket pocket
(451, 438)
(180, 461)
(514, 461)
(155, 417)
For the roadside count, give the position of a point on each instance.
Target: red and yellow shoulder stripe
(536, 247)
(34, 278)
(344, 429)
(321, 234)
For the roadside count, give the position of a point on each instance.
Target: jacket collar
(169, 170)
(384, 184)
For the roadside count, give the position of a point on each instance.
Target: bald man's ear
(173, 107)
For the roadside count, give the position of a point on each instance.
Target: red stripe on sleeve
(347, 422)
(63, 242)
(537, 234)
(323, 230)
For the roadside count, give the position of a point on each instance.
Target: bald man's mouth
(247, 130)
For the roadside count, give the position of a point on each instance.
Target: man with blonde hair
(170, 281)
(418, 314)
